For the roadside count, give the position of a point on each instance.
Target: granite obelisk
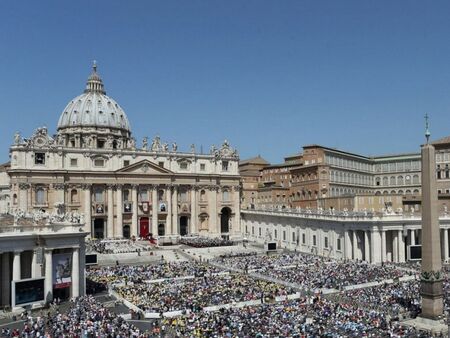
(431, 276)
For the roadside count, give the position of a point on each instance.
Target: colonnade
(13, 269)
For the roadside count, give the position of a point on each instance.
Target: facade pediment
(144, 167)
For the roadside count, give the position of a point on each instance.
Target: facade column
(87, 209)
(48, 275)
(366, 246)
(17, 274)
(6, 279)
(155, 211)
(169, 211)
(76, 272)
(193, 228)
(383, 245)
(376, 247)
(119, 212)
(355, 245)
(175, 225)
(394, 246)
(214, 228)
(445, 245)
(237, 211)
(401, 246)
(110, 221)
(134, 216)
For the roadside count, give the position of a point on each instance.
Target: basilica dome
(94, 109)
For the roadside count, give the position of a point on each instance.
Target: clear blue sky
(270, 76)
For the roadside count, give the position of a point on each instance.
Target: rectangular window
(202, 166)
(253, 230)
(40, 196)
(314, 240)
(293, 237)
(259, 232)
(284, 235)
(326, 242)
(39, 158)
(225, 165)
(143, 195)
(98, 195)
(161, 164)
(99, 162)
(126, 163)
(73, 162)
(100, 144)
(183, 166)
(303, 239)
(338, 244)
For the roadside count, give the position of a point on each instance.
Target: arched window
(74, 196)
(400, 192)
(15, 199)
(40, 196)
(126, 195)
(392, 180)
(378, 181)
(416, 191)
(408, 179)
(416, 179)
(400, 180)
(160, 195)
(385, 181)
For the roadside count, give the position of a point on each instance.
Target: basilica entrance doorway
(225, 215)
(99, 228)
(126, 231)
(183, 225)
(161, 230)
(143, 227)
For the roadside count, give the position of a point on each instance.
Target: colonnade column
(376, 254)
(355, 245)
(119, 212)
(445, 245)
(366, 246)
(35, 269)
(134, 216)
(169, 211)
(412, 237)
(87, 209)
(347, 245)
(383, 245)
(48, 275)
(394, 246)
(155, 210)
(17, 274)
(175, 222)
(110, 222)
(76, 272)
(194, 229)
(401, 246)
(5, 278)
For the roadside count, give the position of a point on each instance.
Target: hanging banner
(62, 270)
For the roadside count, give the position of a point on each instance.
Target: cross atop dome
(94, 83)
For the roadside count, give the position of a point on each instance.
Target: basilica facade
(94, 168)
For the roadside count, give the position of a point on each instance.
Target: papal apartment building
(94, 167)
(329, 178)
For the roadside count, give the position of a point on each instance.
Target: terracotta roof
(257, 160)
(444, 140)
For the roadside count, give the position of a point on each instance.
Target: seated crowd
(116, 246)
(205, 242)
(109, 275)
(197, 293)
(311, 272)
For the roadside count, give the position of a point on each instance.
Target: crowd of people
(110, 275)
(196, 293)
(119, 246)
(316, 317)
(85, 318)
(312, 272)
(205, 242)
